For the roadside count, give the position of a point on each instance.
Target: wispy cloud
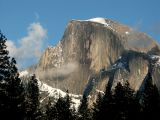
(30, 46)
(55, 73)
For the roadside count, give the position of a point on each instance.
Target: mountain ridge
(89, 46)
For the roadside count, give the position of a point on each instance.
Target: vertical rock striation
(90, 46)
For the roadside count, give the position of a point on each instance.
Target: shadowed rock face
(90, 46)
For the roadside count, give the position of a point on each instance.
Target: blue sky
(17, 16)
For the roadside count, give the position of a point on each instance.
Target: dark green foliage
(61, 110)
(97, 107)
(105, 105)
(32, 99)
(126, 106)
(50, 111)
(150, 100)
(33, 91)
(11, 89)
(122, 105)
(64, 107)
(84, 111)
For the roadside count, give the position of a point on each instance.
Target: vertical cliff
(89, 46)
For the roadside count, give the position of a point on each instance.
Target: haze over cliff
(94, 52)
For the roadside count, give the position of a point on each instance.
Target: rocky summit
(98, 51)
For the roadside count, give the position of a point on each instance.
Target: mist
(138, 40)
(57, 73)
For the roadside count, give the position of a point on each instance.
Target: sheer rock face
(134, 71)
(89, 46)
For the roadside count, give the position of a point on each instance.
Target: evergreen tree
(132, 110)
(11, 89)
(61, 110)
(84, 111)
(106, 110)
(32, 99)
(97, 107)
(122, 105)
(50, 111)
(150, 100)
(126, 107)
(69, 115)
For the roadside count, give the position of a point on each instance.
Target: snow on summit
(101, 21)
(98, 20)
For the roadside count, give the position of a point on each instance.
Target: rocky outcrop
(89, 47)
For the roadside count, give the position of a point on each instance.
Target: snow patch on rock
(23, 73)
(156, 60)
(55, 53)
(118, 65)
(99, 91)
(127, 33)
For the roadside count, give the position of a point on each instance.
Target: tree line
(19, 101)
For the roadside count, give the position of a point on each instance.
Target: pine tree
(106, 109)
(61, 110)
(50, 111)
(132, 111)
(150, 100)
(84, 111)
(125, 106)
(97, 107)
(11, 88)
(68, 111)
(32, 99)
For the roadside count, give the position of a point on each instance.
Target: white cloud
(30, 46)
(11, 47)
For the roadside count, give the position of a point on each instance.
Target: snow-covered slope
(53, 92)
